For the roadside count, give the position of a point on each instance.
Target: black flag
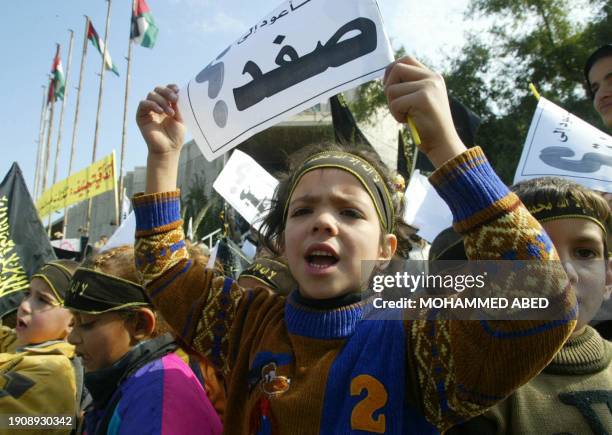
(24, 245)
(346, 130)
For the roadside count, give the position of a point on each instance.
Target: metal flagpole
(61, 118)
(44, 143)
(45, 173)
(125, 113)
(76, 115)
(97, 130)
(49, 135)
(41, 130)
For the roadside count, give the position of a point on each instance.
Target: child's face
(100, 340)
(580, 244)
(332, 225)
(40, 317)
(600, 77)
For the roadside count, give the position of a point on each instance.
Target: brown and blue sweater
(294, 369)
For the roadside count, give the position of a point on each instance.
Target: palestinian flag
(24, 245)
(92, 35)
(58, 81)
(143, 30)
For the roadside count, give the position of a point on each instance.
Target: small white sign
(124, 235)
(425, 209)
(302, 53)
(563, 145)
(67, 244)
(246, 186)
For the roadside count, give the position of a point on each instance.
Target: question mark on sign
(214, 75)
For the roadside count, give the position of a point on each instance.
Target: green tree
(205, 211)
(370, 96)
(529, 41)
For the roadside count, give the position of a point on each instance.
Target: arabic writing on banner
(97, 178)
(246, 186)
(281, 66)
(561, 144)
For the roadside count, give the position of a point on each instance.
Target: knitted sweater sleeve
(463, 367)
(199, 306)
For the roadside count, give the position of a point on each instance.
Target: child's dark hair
(273, 225)
(555, 191)
(600, 53)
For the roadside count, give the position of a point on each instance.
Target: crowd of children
(148, 340)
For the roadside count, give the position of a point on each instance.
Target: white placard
(246, 186)
(302, 53)
(67, 244)
(425, 209)
(563, 145)
(124, 235)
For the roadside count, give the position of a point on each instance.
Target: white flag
(425, 209)
(125, 207)
(190, 229)
(563, 145)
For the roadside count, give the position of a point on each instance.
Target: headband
(367, 175)
(569, 208)
(271, 273)
(57, 278)
(95, 292)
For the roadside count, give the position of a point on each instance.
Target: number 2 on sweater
(362, 417)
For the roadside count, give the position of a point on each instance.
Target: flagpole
(61, 118)
(48, 150)
(76, 115)
(49, 134)
(44, 143)
(125, 114)
(97, 130)
(41, 131)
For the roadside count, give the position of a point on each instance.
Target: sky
(191, 34)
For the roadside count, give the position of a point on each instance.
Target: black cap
(601, 52)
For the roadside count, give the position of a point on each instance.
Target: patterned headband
(567, 209)
(95, 292)
(367, 175)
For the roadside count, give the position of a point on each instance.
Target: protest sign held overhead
(281, 66)
(563, 145)
(246, 186)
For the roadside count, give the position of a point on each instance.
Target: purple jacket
(162, 396)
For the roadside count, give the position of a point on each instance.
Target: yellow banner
(97, 178)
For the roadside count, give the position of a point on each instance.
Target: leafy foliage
(533, 41)
(205, 211)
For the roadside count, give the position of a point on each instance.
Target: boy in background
(573, 394)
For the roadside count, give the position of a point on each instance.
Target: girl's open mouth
(321, 259)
